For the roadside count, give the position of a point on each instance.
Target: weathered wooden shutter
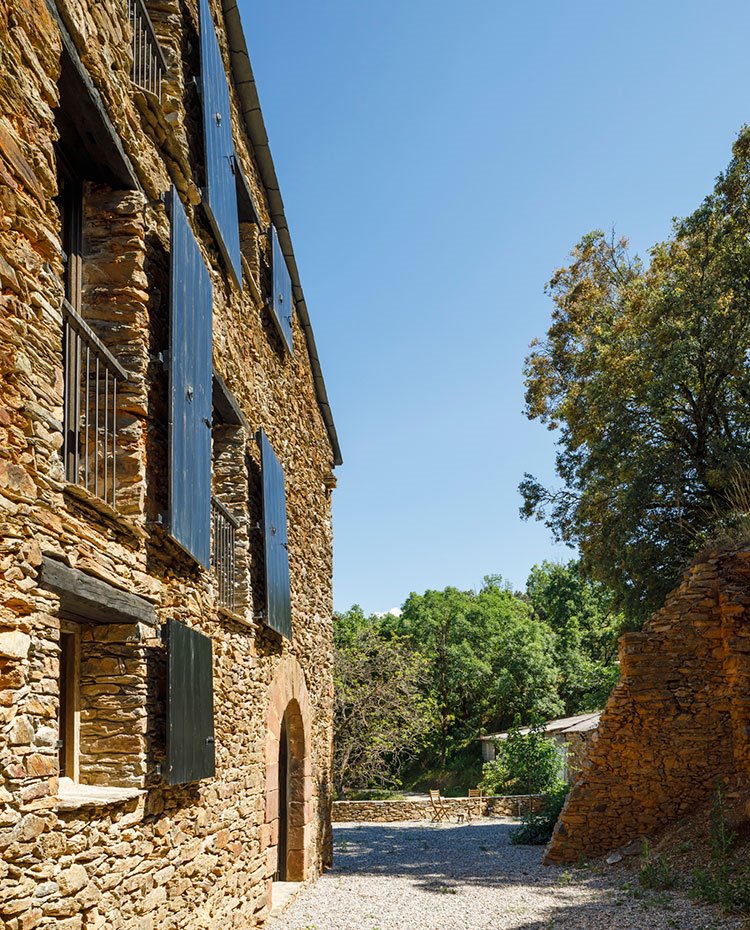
(190, 388)
(190, 705)
(283, 301)
(278, 601)
(220, 193)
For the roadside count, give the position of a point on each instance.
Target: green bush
(718, 884)
(655, 873)
(536, 828)
(526, 763)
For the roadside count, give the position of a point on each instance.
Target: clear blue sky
(438, 160)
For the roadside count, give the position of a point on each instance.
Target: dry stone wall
(155, 857)
(394, 811)
(677, 720)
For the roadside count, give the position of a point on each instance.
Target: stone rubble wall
(191, 857)
(392, 811)
(678, 719)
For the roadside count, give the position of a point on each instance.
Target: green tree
(644, 372)
(380, 713)
(487, 660)
(586, 627)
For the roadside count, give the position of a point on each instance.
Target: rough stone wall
(578, 749)
(171, 858)
(677, 719)
(417, 809)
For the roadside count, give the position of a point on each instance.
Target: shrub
(526, 763)
(536, 828)
(655, 873)
(717, 884)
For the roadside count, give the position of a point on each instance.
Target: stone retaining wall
(419, 809)
(678, 718)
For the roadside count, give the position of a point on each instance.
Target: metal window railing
(224, 553)
(92, 375)
(149, 64)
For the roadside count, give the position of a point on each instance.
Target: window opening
(69, 717)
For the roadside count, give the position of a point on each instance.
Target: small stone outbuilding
(573, 738)
(166, 469)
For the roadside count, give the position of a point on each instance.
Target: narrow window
(69, 719)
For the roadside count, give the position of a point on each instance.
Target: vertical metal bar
(96, 434)
(106, 429)
(114, 440)
(66, 392)
(86, 420)
(233, 564)
(77, 435)
(135, 44)
(144, 55)
(227, 591)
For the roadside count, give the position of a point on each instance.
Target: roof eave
(256, 130)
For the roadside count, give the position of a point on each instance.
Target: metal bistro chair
(439, 807)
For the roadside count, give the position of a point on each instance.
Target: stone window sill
(97, 507)
(237, 617)
(71, 796)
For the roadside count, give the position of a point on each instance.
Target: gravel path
(469, 877)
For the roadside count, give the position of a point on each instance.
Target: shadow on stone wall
(678, 718)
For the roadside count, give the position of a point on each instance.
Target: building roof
(256, 130)
(578, 724)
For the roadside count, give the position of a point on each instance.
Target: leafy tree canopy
(488, 659)
(644, 372)
(380, 713)
(586, 628)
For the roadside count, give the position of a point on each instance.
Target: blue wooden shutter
(190, 388)
(220, 194)
(283, 301)
(190, 705)
(278, 600)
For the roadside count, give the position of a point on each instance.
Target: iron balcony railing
(149, 64)
(92, 375)
(224, 554)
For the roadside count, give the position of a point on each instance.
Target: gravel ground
(469, 877)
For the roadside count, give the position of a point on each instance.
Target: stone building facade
(166, 471)
(678, 719)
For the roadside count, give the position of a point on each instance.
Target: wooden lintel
(90, 598)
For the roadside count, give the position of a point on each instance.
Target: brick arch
(289, 702)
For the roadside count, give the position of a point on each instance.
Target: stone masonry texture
(678, 719)
(162, 857)
(402, 810)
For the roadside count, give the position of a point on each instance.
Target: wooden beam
(90, 598)
(225, 403)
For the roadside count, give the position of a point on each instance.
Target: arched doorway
(289, 802)
(288, 837)
(282, 846)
